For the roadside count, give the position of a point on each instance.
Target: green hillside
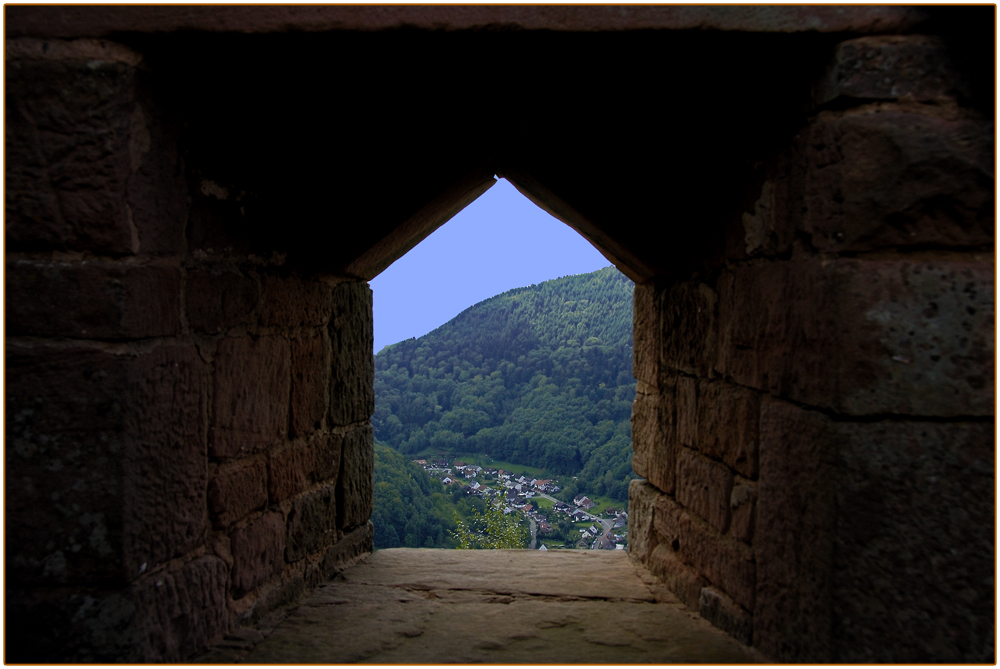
(539, 376)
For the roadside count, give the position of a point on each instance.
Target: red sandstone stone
(312, 524)
(894, 175)
(294, 301)
(666, 521)
(794, 542)
(727, 563)
(718, 609)
(681, 579)
(257, 553)
(642, 538)
(743, 505)
(352, 545)
(165, 457)
(236, 489)
(687, 411)
(310, 383)
(352, 395)
(704, 487)
(355, 482)
(290, 470)
(327, 448)
(92, 300)
(250, 403)
(890, 67)
(727, 425)
(653, 441)
(646, 359)
(217, 302)
(688, 329)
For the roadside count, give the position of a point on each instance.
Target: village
(605, 529)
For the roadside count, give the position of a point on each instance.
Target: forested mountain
(540, 376)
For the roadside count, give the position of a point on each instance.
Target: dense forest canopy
(540, 376)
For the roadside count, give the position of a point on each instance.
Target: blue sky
(500, 241)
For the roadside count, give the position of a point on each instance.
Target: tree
(491, 529)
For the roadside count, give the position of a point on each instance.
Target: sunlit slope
(540, 375)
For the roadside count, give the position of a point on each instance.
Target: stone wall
(188, 443)
(814, 413)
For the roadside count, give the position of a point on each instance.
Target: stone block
(727, 563)
(687, 411)
(250, 403)
(295, 301)
(718, 609)
(68, 135)
(92, 300)
(216, 302)
(704, 487)
(354, 544)
(895, 176)
(64, 457)
(727, 425)
(352, 382)
(327, 448)
(796, 516)
(681, 579)
(312, 524)
(165, 457)
(646, 333)
(653, 436)
(862, 337)
(913, 567)
(258, 552)
(236, 489)
(890, 67)
(641, 537)
(310, 383)
(743, 506)
(688, 329)
(290, 470)
(356, 482)
(666, 521)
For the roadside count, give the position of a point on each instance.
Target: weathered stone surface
(682, 580)
(688, 329)
(68, 131)
(355, 482)
(666, 520)
(913, 567)
(310, 383)
(890, 67)
(704, 487)
(641, 537)
(236, 489)
(654, 443)
(794, 536)
(92, 300)
(353, 545)
(295, 301)
(646, 333)
(352, 394)
(727, 563)
(183, 610)
(891, 175)
(166, 464)
(64, 459)
(258, 552)
(250, 403)
(290, 470)
(312, 524)
(409, 605)
(727, 425)
(327, 448)
(686, 399)
(864, 336)
(718, 609)
(216, 302)
(743, 506)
